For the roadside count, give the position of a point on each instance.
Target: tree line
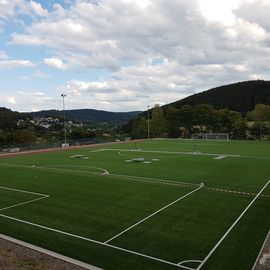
(241, 96)
(182, 122)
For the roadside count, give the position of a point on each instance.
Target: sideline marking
(131, 178)
(98, 150)
(18, 204)
(63, 167)
(170, 152)
(220, 157)
(189, 261)
(54, 168)
(43, 196)
(23, 191)
(94, 241)
(48, 252)
(153, 180)
(236, 192)
(156, 212)
(106, 173)
(232, 226)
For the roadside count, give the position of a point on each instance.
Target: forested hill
(90, 115)
(240, 97)
(9, 118)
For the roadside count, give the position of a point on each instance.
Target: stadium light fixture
(64, 114)
(148, 126)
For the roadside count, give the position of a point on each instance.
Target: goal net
(211, 136)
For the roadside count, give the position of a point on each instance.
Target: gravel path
(263, 262)
(16, 257)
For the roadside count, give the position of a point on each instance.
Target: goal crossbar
(211, 136)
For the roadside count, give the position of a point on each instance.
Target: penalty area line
(23, 203)
(42, 196)
(153, 214)
(189, 261)
(94, 241)
(232, 226)
(24, 191)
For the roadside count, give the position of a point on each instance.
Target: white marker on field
(156, 212)
(230, 229)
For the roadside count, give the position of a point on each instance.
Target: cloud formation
(54, 62)
(8, 64)
(154, 50)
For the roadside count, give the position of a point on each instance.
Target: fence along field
(174, 209)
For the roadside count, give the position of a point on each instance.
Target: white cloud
(9, 8)
(220, 11)
(26, 40)
(55, 63)
(8, 64)
(112, 32)
(154, 50)
(37, 9)
(26, 100)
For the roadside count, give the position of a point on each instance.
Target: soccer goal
(211, 136)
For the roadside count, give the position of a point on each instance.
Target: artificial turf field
(115, 214)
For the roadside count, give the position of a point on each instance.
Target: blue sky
(124, 55)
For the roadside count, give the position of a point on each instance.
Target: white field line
(18, 204)
(131, 178)
(78, 166)
(186, 267)
(106, 173)
(237, 192)
(202, 144)
(98, 150)
(189, 261)
(53, 168)
(261, 250)
(65, 170)
(93, 241)
(170, 152)
(127, 177)
(163, 156)
(220, 157)
(43, 196)
(153, 180)
(230, 229)
(24, 191)
(50, 253)
(153, 214)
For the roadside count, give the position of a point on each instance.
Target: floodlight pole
(148, 126)
(64, 113)
(260, 131)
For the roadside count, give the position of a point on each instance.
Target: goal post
(211, 136)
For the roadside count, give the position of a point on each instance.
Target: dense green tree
(158, 122)
(24, 136)
(81, 132)
(173, 123)
(259, 130)
(261, 113)
(227, 120)
(139, 129)
(2, 136)
(206, 115)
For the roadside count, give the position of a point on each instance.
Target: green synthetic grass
(85, 202)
